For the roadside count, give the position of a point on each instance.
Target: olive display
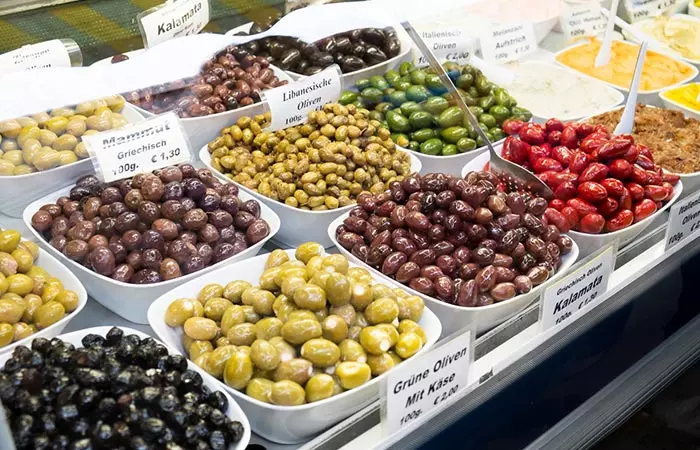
(352, 50)
(30, 298)
(152, 227)
(467, 241)
(54, 138)
(312, 328)
(229, 80)
(414, 104)
(320, 165)
(115, 392)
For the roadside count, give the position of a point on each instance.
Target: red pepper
(594, 172)
(569, 138)
(644, 209)
(556, 218)
(592, 223)
(578, 162)
(512, 126)
(620, 169)
(644, 150)
(592, 192)
(613, 186)
(622, 219)
(532, 133)
(669, 190)
(565, 191)
(553, 125)
(557, 204)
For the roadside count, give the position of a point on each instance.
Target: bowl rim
(675, 54)
(327, 401)
(81, 292)
(130, 54)
(571, 259)
(663, 95)
(205, 157)
(625, 90)
(133, 110)
(558, 67)
(102, 331)
(281, 74)
(29, 211)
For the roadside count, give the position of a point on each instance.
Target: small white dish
(283, 424)
(638, 27)
(297, 225)
(234, 411)
(131, 301)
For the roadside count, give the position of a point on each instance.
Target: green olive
(250, 315)
(375, 340)
(310, 297)
(346, 312)
(7, 333)
(338, 289)
(267, 279)
(276, 258)
(380, 290)
(359, 275)
(408, 325)
(23, 330)
(24, 260)
(9, 239)
(286, 351)
(68, 299)
(234, 290)
(215, 307)
(319, 387)
(33, 302)
(201, 328)
(198, 348)
(338, 263)
(210, 291)
(361, 296)
(321, 352)
(382, 310)
(268, 328)
(301, 330)
(297, 369)
(11, 311)
(308, 250)
(48, 314)
(301, 314)
(260, 389)
(242, 334)
(20, 284)
(410, 307)
(238, 370)
(353, 374)
(182, 309)
(218, 358)
(335, 329)
(380, 363)
(234, 315)
(264, 355)
(282, 307)
(408, 344)
(351, 350)
(287, 393)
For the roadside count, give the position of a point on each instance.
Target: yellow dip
(680, 34)
(686, 95)
(659, 71)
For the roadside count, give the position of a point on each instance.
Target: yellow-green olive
(242, 334)
(338, 289)
(310, 297)
(297, 369)
(319, 387)
(234, 290)
(361, 296)
(210, 291)
(201, 328)
(375, 340)
(215, 307)
(268, 327)
(334, 328)
(286, 351)
(352, 351)
(308, 250)
(264, 355)
(382, 310)
(276, 258)
(410, 307)
(287, 393)
(299, 331)
(233, 315)
(238, 370)
(353, 374)
(380, 363)
(321, 352)
(408, 344)
(259, 389)
(48, 314)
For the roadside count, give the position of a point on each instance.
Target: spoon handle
(627, 120)
(603, 56)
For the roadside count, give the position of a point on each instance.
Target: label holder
(675, 233)
(614, 246)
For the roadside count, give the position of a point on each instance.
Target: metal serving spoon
(510, 173)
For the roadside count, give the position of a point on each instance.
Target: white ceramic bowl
(17, 191)
(131, 301)
(283, 424)
(234, 411)
(349, 79)
(201, 130)
(108, 61)
(479, 163)
(589, 243)
(447, 164)
(298, 225)
(638, 26)
(645, 97)
(453, 317)
(49, 263)
(541, 112)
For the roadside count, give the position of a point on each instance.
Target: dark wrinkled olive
(527, 262)
(349, 240)
(504, 274)
(407, 271)
(123, 273)
(431, 272)
(537, 206)
(424, 257)
(503, 291)
(169, 269)
(483, 256)
(467, 294)
(422, 285)
(404, 245)
(392, 262)
(565, 244)
(361, 251)
(102, 261)
(377, 254)
(502, 260)
(257, 231)
(536, 246)
(448, 265)
(533, 224)
(537, 275)
(486, 278)
(417, 221)
(383, 238)
(523, 284)
(444, 288)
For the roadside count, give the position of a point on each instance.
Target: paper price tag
(426, 382)
(451, 44)
(583, 20)
(36, 56)
(578, 289)
(150, 145)
(642, 9)
(683, 220)
(173, 19)
(508, 42)
(290, 104)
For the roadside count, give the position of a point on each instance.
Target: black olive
(351, 63)
(152, 428)
(41, 345)
(48, 423)
(41, 442)
(217, 418)
(114, 335)
(92, 340)
(312, 70)
(138, 443)
(204, 410)
(79, 428)
(177, 362)
(88, 399)
(217, 441)
(358, 50)
(91, 377)
(392, 47)
(235, 430)
(107, 407)
(374, 55)
(218, 400)
(103, 434)
(201, 429)
(190, 381)
(322, 59)
(327, 44)
(289, 59)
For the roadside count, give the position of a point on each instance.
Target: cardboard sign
(683, 220)
(43, 55)
(508, 42)
(173, 19)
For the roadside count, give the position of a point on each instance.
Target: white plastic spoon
(603, 56)
(627, 120)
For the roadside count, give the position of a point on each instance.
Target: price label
(36, 56)
(150, 145)
(583, 20)
(451, 44)
(683, 220)
(578, 289)
(291, 103)
(642, 9)
(173, 19)
(508, 42)
(426, 382)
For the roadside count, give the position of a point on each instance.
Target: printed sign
(642, 9)
(578, 289)
(683, 220)
(508, 42)
(173, 19)
(426, 382)
(447, 43)
(150, 145)
(290, 104)
(43, 55)
(583, 20)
